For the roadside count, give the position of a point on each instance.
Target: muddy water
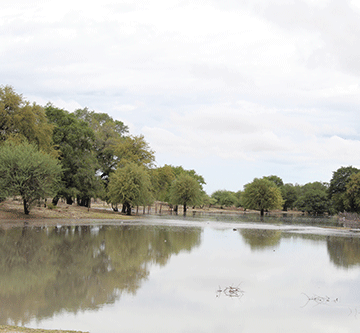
(181, 275)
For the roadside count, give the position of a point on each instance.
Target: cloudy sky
(235, 89)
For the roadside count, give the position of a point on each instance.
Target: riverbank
(20, 329)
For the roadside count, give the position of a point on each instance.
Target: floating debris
(230, 291)
(320, 300)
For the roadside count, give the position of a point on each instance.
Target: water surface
(209, 274)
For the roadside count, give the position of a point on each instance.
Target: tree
(352, 199)
(109, 133)
(275, 179)
(136, 150)
(28, 172)
(20, 119)
(314, 199)
(290, 194)
(185, 190)
(337, 188)
(262, 194)
(129, 185)
(75, 141)
(161, 179)
(224, 198)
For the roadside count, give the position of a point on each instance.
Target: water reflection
(261, 239)
(46, 270)
(181, 275)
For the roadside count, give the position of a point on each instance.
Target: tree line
(341, 194)
(75, 156)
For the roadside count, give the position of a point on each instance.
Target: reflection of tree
(260, 239)
(344, 252)
(46, 270)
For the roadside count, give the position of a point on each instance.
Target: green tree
(109, 133)
(130, 186)
(275, 179)
(185, 190)
(75, 141)
(337, 188)
(352, 199)
(262, 194)
(224, 198)
(28, 172)
(290, 194)
(21, 119)
(314, 199)
(161, 179)
(136, 150)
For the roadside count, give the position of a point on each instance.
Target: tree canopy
(130, 186)
(185, 190)
(22, 120)
(262, 194)
(27, 172)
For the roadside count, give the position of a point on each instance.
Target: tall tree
(130, 186)
(337, 188)
(75, 140)
(262, 194)
(185, 190)
(161, 179)
(109, 133)
(134, 149)
(352, 199)
(314, 198)
(224, 198)
(28, 172)
(21, 119)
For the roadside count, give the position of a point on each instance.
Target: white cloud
(272, 83)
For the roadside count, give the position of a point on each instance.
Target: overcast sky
(235, 89)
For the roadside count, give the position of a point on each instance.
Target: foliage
(130, 186)
(134, 149)
(262, 194)
(224, 198)
(314, 199)
(75, 139)
(275, 179)
(290, 194)
(185, 190)
(28, 172)
(337, 189)
(22, 120)
(161, 179)
(352, 199)
(108, 134)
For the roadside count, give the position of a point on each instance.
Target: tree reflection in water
(46, 270)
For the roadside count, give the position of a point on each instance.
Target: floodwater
(162, 274)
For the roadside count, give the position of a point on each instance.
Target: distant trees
(262, 194)
(224, 198)
(27, 172)
(314, 199)
(341, 200)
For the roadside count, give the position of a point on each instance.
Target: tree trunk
(26, 207)
(184, 209)
(262, 212)
(69, 200)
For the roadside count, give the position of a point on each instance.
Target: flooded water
(209, 274)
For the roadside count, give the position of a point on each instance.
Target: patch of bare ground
(20, 329)
(12, 209)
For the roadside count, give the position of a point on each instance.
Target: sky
(234, 89)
